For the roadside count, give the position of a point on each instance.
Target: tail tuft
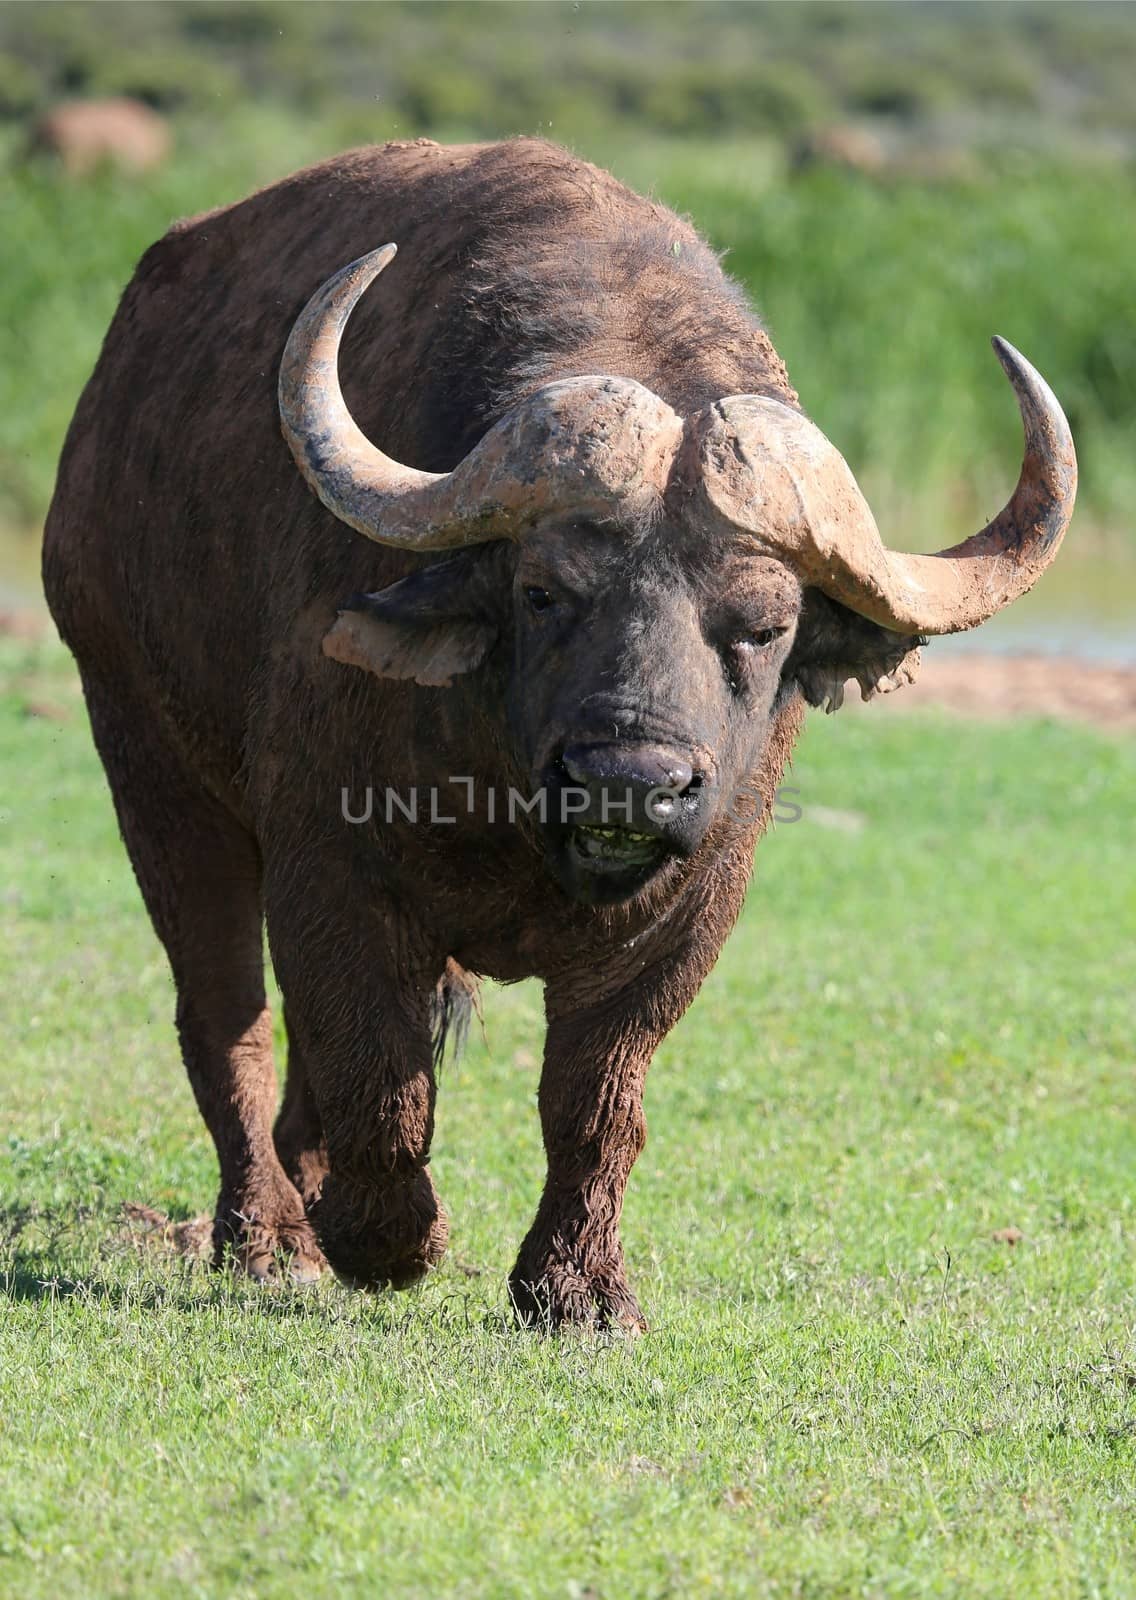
(455, 1000)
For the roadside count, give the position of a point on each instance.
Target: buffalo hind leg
(199, 873)
(298, 1133)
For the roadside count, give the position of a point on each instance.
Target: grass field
(920, 1035)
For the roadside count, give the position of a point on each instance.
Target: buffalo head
(668, 582)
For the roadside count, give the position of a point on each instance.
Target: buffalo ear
(834, 645)
(429, 627)
(431, 656)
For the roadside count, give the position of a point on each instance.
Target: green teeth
(616, 846)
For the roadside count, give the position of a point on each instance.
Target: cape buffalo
(620, 565)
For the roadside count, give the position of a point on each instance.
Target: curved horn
(767, 469)
(588, 443)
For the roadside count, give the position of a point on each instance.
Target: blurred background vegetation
(891, 182)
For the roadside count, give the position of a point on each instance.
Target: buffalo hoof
(562, 1297)
(269, 1253)
(382, 1239)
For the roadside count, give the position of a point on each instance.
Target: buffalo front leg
(359, 1021)
(597, 1050)
(371, 1072)
(570, 1268)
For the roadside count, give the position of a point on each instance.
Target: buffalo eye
(759, 638)
(538, 599)
(744, 651)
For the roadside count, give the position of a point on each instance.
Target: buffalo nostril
(641, 766)
(680, 775)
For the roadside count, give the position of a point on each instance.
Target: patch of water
(1084, 608)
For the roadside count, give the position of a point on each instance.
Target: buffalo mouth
(604, 865)
(604, 850)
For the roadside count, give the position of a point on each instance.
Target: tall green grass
(880, 292)
(683, 67)
(882, 295)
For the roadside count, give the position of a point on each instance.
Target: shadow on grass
(97, 1258)
(31, 1276)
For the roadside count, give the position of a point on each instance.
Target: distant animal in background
(842, 146)
(83, 135)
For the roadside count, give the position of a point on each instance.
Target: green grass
(920, 1034)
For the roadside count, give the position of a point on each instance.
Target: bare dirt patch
(153, 1230)
(988, 686)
